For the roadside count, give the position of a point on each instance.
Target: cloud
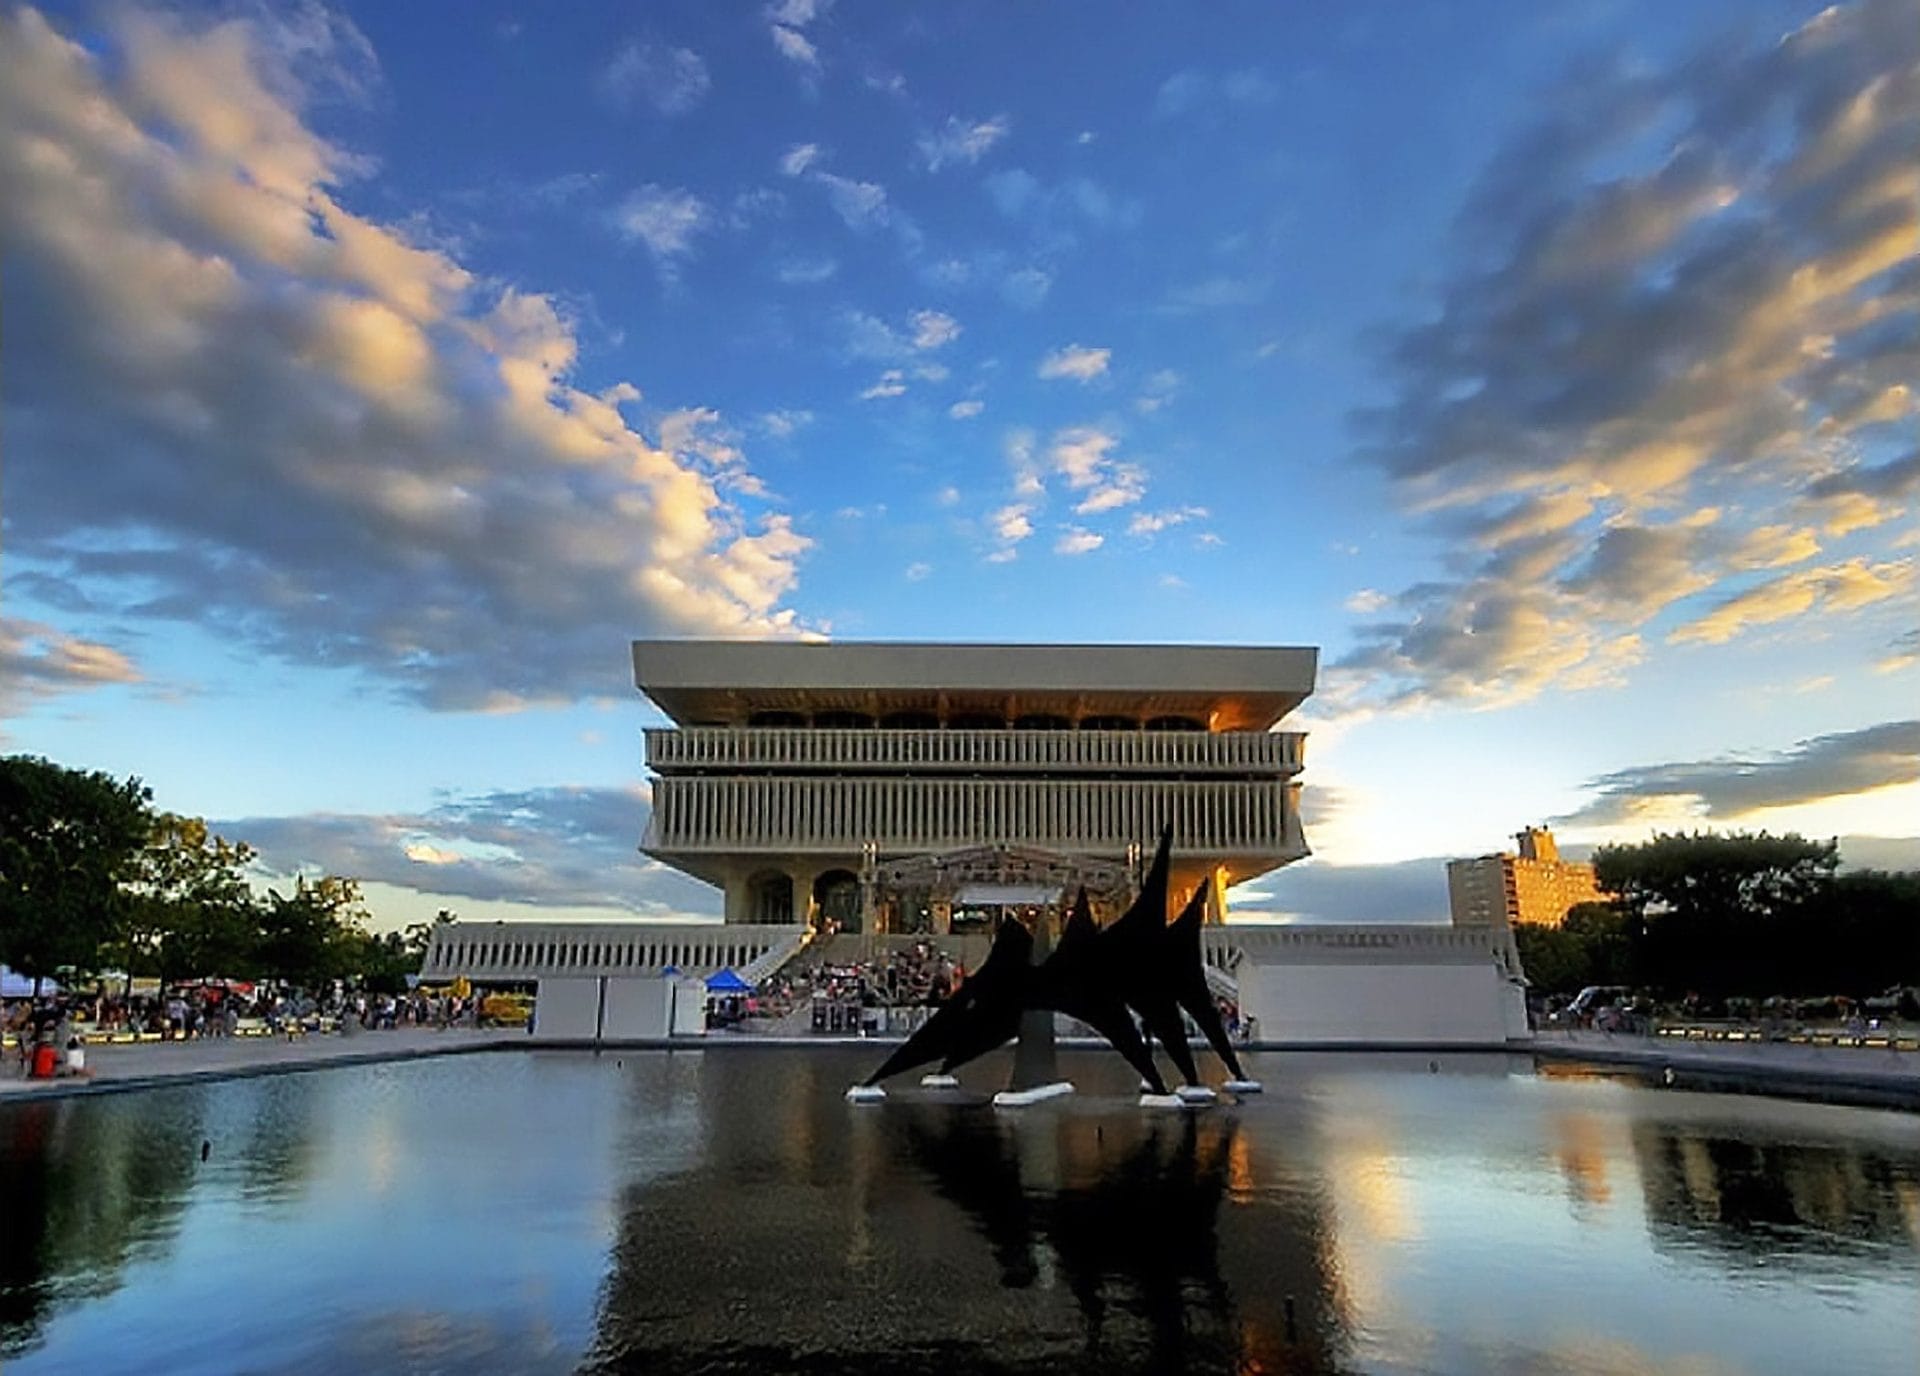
(1685, 287)
(1901, 654)
(1057, 214)
(1833, 589)
(785, 424)
(785, 22)
(799, 158)
(1124, 485)
(918, 572)
(550, 847)
(303, 428)
(1083, 455)
(1026, 287)
(1191, 90)
(933, 329)
(861, 205)
(961, 141)
(1366, 601)
(966, 410)
(39, 661)
(870, 337)
(806, 271)
(1731, 787)
(664, 219)
(1157, 391)
(892, 383)
(1075, 361)
(1146, 524)
(672, 80)
(1075, 540)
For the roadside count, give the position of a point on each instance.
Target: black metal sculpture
(1140, 965)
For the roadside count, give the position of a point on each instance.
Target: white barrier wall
(689, 1008)
(566, 1009)
(637, 1009)
(1380, 1004)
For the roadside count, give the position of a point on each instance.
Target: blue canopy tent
(726, 982)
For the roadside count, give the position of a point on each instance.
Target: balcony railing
(528, 950)
(721, 814)
(712, 748)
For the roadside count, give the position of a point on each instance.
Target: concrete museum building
(845, 796)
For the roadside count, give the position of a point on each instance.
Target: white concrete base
(1242, 1086)
(1161, 1101)
(1195, 1094)
(939, 1082)
(865, 1094)
(1020, 1098)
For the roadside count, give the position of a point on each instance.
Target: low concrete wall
(1383, 1003)
(637, 1009)
(566, 1009)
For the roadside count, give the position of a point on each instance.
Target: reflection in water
(85, 1188)
(1087, 1235)
(553, 1212)
(1749, 1201)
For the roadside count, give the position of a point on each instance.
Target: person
(77, 1059)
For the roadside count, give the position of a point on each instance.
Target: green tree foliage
(1757, 914)
(68, 840)
(190, 910)
(1597, 943)
(315, 934)
(1713, 878)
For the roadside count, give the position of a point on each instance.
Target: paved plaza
(138, 1064)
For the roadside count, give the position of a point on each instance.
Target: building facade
(1531, 885)
(797, 775)
(893, 790)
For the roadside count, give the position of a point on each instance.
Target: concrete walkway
(1888, 1074)
(142, 1064)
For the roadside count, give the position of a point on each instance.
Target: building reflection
(943, 1234)
(1751, 1201)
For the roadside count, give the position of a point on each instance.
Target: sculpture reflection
(942, 1235)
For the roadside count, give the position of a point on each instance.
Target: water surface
(728, 1212)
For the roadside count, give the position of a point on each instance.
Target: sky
(374, 374)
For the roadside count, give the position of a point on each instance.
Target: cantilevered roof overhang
(725, 682)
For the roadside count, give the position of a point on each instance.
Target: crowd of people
(66, 1021)
(847, 996)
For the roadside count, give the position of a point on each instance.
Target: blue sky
(376, 372)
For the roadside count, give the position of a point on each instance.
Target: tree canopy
(69, 839)
(1736, 913)
(91, 877)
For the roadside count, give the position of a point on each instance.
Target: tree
(1555, 959)
(1719, 914)
(312, 935)
(1710, 876)
(190, 909)
(68, 838)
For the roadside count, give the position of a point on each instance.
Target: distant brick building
(1534, 886)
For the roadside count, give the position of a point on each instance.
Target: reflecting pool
(728, 1212)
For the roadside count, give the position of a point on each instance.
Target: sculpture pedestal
(1020, 1098)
